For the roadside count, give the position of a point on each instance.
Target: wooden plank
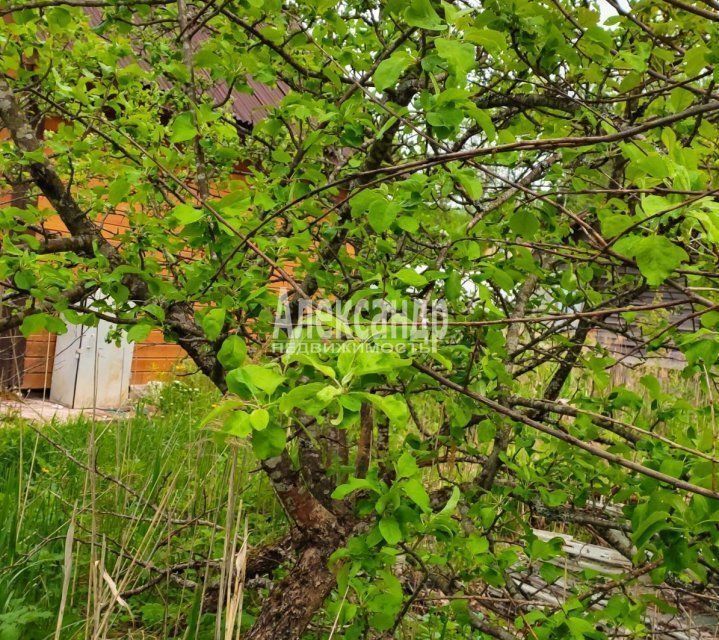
(40, 347)
(143, 377)
(12, 353)
(160, 349)
(156, 366)
(585, 555)
(34, 364)
(36, 381)
(40, 355)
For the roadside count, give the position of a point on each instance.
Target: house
(630, 344)
(28, 363)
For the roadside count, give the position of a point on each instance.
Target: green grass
(160, 496)
(159, 457)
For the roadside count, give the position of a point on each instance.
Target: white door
(89, 371)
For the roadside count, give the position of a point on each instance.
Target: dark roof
(248, 107)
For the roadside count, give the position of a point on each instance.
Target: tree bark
(296, 598)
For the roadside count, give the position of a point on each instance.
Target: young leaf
(255, 378)
(269, 442)
(42, 322)
(238, 424)
(411, 277)
(117, 191)
(389, 70)
(139, 332)
(416, 492)
(406, 466)
(420, 13)
(459, 55)
(182, 128)
(389, 528)
(307, 397)
(186, 214)
(524, 224)
(382, 215)
(352, 485)
(212, 323)
(394, 407)
(453, 286)
(657, 257)
(259, 419)
(232, 353)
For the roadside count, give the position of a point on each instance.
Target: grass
(166, 493)
(160, 486)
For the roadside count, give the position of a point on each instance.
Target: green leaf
(213, 322)
(238, 424)
(394, 407)
(615, 223)
(117, 191)
(657, 257)
(232, 353)
(655, 165)
(58, 18)
(470, 183)
(654, 204)
(185, 214)
(255, 378)
(269, 442)
(39, 322)
(389, 70)
(452, 502)
(369, 362)
(313, 360)
(524, 224)
(308, 397)
(352, 485)
(493, 41)
(486, 431)
(384, 601)
(25, 279)
(458, 55)
(580, 628)
(416, 492)
(221, 410)
(382, 215)
(139, 332)
(420, 13)
(453, 286)
(408, 224)
(648, 526)
(362, 202)
(406, 466)
(259, 419)
(182, 128)
(411, 277)
(389, 528)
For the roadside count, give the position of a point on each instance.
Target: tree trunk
(295, 599)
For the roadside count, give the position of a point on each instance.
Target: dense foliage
(519, 178)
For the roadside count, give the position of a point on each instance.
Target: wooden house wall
(153, 358)
(625, 342)
(31, 360)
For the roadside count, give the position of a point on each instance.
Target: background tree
(541, 167)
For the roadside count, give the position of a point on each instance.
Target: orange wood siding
(39, 359)
(154, 359)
